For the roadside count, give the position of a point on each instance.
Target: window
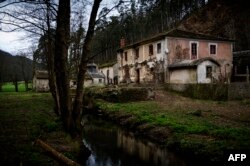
(100, 80)
(126, 56)
(137, 53)
(212, 48)
(194, 50)
(151, 49)
(158, 48)
(208, 71)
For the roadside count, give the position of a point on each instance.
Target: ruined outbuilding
(41, 81)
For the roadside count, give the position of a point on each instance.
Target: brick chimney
(122, 42)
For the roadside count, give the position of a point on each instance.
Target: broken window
(212, 49)
(194, 50)
(208, 71)
(126, 56)
(137, 53)
(151, 49)
(158, 48)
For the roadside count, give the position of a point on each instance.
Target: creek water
(112, 146)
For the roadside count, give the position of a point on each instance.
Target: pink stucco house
(153, 59)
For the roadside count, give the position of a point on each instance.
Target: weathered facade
(148, 60)
(111, 73)
(41, 81)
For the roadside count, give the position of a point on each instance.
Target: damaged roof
(191, 63)
(95, 75)
(41, 74)
(176, 33)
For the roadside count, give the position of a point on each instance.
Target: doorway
(138, 76)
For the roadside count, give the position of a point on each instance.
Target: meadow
(9, 87)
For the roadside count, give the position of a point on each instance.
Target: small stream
(112, 146)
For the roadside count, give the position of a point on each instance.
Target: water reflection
(112, 146)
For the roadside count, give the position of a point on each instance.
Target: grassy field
(9, 87)
(203, 127)
(25, 117)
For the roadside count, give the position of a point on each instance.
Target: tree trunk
(26, 84)
(50, 60)
(78, 105)
(16, 86)
(60, 62)
(57, 155)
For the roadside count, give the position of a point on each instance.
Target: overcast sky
(14, 42)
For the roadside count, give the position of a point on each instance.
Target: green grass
(188, 129)
(9, 87)
(25, 117)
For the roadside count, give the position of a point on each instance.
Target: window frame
(216, 47)
(151, 49)
(126, 56)
(159, 48)
(209, 74)
(191, 49)
(137, 53)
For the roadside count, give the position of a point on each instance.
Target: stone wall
(200, 91)
(239, 91)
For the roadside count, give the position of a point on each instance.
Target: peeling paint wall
(201, 72)
(41, 85)
(109, 74)
(179, 49)
(183, 76)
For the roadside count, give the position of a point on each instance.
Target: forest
(14, 69)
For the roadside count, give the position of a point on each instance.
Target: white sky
(14, 42)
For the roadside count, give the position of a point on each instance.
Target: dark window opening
(126, 56)
(158, 48)
(151, 50)
(137, 53)
(212, 49)
(209, 71)
(194, 50)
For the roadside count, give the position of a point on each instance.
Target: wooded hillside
(224, 18)
(14, 68)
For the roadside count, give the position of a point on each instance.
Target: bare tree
(57, 49)
(78, 105)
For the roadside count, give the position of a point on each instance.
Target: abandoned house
(41, 81)
(110, 72)
(93, 76)
(156, 59)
